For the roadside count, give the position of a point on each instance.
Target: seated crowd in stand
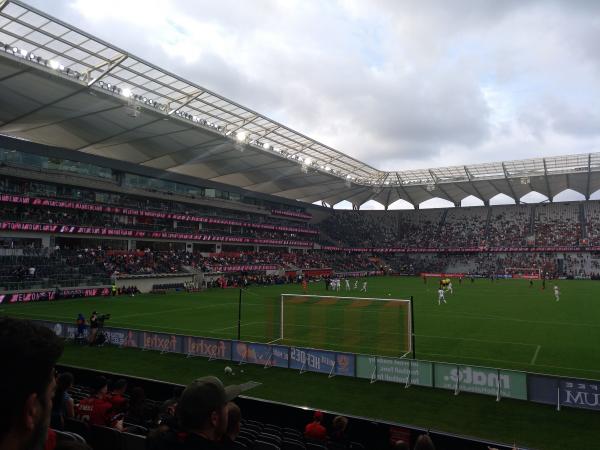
(552, 225)
(46, 215)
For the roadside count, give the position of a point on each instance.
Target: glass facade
(31, 161)
(38, 162)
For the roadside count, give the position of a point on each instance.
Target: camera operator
(93, 327)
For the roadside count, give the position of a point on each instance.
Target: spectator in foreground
(202, 414)
(401, 445)
(315, 430)
(136, 414)
(62, 405)
(424, 442)
(96, 409)
(29, 353)
(338, 431)
(117, 396)
(234, 418)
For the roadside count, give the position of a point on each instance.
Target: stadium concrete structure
(65, 88)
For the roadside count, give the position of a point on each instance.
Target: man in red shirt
(97, 410)
(116, 397)
(315, 430)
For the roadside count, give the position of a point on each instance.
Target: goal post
(376, 326)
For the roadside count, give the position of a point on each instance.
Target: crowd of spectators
(557, 224)
(45, 215)
(552, 225)
(463, 226)
(592, 222)
(509, 226)
(574, 265)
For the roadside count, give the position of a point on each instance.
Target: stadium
(203, 234)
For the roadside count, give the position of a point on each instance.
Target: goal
(374, 326)
(524, 272)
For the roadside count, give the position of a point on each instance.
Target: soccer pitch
(504, 323)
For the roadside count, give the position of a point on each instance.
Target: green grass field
(502, 324)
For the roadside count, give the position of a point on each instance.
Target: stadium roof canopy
(63, 87)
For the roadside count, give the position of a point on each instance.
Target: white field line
(535, 355)
(235, 326)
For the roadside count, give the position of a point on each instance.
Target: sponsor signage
(481, 380)
(100, 231)
(162, 342)
(91, 292)
(52, 294)
(580, 393)
(299, 215)
(210, 348)
(264, 354)
(65, 204)
(26, 297)
(244, 268)
(574, 393)
(322, 361)
(395, 370)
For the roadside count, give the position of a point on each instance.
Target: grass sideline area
(503, 324)
(528, 424)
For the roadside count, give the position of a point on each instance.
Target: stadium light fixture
(126, 93)
(266, 146)
(328, 168)
(308, 161)
(55, 65)
(23, 53)
(241, 137)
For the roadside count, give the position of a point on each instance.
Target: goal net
(373, 326)
(524, 272)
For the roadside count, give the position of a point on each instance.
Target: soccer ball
(389, 295)
(228, 370)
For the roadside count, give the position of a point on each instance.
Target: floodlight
(308, 161)
(241, 137)
(15, 50)
(54, 64)
(327, 168)
(266, 146)
(126, 92)
(23, 53)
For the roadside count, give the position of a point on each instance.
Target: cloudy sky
(397, 84)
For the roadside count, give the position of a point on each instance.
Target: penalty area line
(273, 341)
(535, 355)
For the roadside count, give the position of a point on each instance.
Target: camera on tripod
(102, 318)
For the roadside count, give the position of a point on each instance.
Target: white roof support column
(550, 194)
(589, 178)
(512, 191)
